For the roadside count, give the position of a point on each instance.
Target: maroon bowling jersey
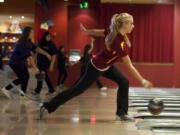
(110, 53)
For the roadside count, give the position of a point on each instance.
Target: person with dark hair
(1, 54)
(61, 67)
(17, 61)
(85, 59)
(115, 48)
(45, 64)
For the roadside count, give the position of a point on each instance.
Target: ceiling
(17, 9)
(17, 6)
(140, 1)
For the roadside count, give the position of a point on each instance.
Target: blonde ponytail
(116, 23)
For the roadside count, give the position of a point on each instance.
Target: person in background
(85, 59)
(45, 64)
(22, 52)
(61, 67)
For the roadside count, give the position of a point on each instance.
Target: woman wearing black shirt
(44, 64)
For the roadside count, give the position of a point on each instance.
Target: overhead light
(22, 17)
(1, 0)
(10, 17)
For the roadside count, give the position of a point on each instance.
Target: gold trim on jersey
(113, 58)
(108, 47)
(114, 52)
(122, 45)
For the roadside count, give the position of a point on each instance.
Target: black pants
(83, 70)
(22, 77)
(48, 82)
(62, 71)
(90, 76)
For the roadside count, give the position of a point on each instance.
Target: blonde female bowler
(116, 41)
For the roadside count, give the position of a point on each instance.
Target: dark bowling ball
(40, 76)
(155, 106)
